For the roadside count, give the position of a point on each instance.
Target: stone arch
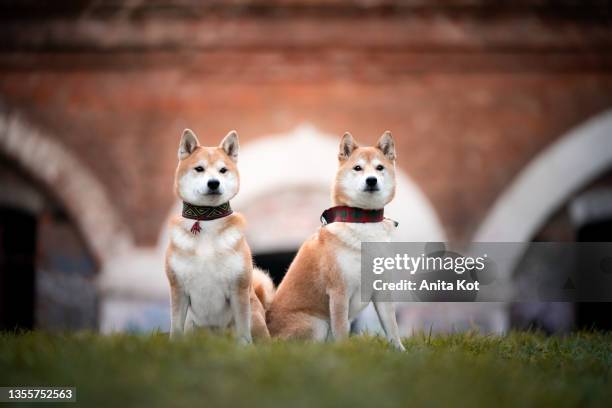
(69, 180)
(549, 180)
(545, 185)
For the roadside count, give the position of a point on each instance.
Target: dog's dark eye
(223, 170)
(380, 167)
(199, 169)
(357, 168)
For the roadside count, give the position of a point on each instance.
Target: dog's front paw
(398, 345)
(245, 340)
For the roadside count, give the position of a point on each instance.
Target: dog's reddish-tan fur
(252, 284)
(313, 285)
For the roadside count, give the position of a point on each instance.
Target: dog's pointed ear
(347, 146)
(387, 146)
(188, 144)
(230, 145)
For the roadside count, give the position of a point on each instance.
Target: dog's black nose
(213, 184)
(371, 181)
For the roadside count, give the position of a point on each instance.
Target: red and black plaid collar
(345, 213)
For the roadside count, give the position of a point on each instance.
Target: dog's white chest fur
(348, 256)
(207, 267)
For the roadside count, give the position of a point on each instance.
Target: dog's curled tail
(263, 286)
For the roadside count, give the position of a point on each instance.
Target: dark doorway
(276, 263)
(17, 253)
(591, 315)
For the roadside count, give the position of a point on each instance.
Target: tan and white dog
(321, 293)
(208, 262)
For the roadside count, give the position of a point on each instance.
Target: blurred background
(500, 112)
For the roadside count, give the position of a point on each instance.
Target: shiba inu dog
(208, 262)
(321, 292)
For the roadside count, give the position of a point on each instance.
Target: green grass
(457, 370)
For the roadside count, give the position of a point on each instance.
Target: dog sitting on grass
(212, 280)
(321, 293)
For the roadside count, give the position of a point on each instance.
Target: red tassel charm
(195, 228)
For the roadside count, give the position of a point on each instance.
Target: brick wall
(471, 90)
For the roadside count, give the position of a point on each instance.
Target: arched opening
(17, 284)
(71, 183)
(548, 181)
(562, 195)
(59, 229)
(47, 272)
(592, 216)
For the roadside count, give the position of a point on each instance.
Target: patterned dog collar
(204, 213)
(351, 214)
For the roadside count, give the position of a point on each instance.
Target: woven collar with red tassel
(204, 213)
